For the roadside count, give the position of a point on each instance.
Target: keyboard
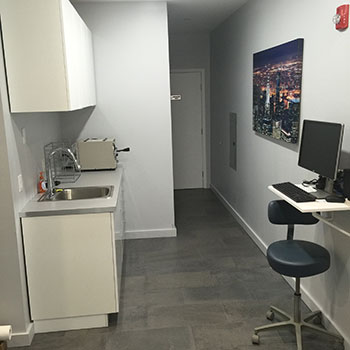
(294, 192)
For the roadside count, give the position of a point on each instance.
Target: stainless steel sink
(76, 193)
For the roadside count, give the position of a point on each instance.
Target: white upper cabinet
(48, 56)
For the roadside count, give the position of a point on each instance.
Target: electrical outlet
(20, 183)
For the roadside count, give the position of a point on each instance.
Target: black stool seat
(296, 258)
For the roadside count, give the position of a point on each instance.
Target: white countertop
(81, 206)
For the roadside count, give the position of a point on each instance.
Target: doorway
(187, 109)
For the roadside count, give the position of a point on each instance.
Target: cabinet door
(34, 55)
(70, 265)
(48, 56)
(79, 58)
(87, 69)
(72, 35)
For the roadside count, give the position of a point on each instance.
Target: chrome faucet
(50, 180)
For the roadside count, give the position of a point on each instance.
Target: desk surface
(319, 205)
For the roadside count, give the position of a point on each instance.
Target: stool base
(298, 325)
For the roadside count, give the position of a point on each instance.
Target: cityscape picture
(277, 91)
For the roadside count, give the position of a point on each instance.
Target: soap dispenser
(41, 183)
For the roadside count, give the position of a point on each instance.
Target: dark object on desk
(346, 184)
(338, 186)
(321, 183)
(294, 192)
(334, 198)
(294, 258)
(308, 183)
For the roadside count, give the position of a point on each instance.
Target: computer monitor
(320, 147)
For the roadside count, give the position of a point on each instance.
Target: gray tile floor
(204, 290)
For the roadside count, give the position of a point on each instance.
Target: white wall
(25, 159)
(133, 105)
(259, 25)
(192, 51)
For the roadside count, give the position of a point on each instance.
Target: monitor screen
(320, 147)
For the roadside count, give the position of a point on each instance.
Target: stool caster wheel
(255, 339)
(270, 315)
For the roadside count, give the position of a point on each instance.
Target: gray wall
(25, 159)
(192, 51)
(133, 105)
(258, 25)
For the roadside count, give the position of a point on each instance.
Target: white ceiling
(190, 16)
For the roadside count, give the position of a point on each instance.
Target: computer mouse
(333, 198)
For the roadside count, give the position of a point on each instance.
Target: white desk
(317, 207)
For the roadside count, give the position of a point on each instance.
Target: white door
(187, 128)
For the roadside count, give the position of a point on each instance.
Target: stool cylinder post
(290, 232)
(297, 297)
(297, 285)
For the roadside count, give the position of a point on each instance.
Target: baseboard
(156, 233)
(22, 339)
(306, 296)
(71, 323)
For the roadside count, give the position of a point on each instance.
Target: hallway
(204, 290)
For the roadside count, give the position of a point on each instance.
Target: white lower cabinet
(71, 265)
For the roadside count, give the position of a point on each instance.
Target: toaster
(97, 154)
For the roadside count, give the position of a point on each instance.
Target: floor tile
(186, 315)
(167, 297)
(181, 280)
(154, 339)
(132, 317)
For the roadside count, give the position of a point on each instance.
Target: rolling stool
(298, 259)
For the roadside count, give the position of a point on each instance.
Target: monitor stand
(328, 190)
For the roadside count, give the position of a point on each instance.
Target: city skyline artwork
(277, 75)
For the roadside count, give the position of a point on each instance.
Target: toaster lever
(123, 150)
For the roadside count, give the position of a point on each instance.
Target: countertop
(81, 206)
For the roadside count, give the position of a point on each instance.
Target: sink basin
(76, 193)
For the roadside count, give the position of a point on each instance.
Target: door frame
(203, 119)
